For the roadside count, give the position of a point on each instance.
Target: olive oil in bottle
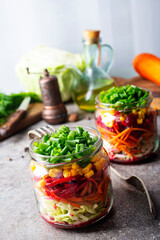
(86, 99)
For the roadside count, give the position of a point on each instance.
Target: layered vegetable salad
(127, 123)
(71, 178)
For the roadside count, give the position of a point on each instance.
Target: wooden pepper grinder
(54, 111)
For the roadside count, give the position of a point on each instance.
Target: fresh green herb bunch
(9, 103)
(66, 142)
(124, 97)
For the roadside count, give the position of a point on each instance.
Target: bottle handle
(106, 64)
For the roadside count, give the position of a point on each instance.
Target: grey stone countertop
(129, 218)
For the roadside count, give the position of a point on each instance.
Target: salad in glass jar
(70, 171)
(127, 122)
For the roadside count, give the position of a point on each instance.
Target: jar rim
(109, 105)
(37, 156)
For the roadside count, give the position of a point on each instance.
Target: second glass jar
(129, 135)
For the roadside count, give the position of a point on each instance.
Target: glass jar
(130, 134)
(73, 194)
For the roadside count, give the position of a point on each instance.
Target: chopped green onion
(124, 97)
(65, 142)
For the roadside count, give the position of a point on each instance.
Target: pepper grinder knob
(54, 111)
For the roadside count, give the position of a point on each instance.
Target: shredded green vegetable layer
(66, 213)
(124, 97)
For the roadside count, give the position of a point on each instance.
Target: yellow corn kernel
(134, 111)
(140, 114)
(112, 112)
(89, 174)
(144, 110)
(79, 170)
(52, 173)
(32, 166)
(65, 171)
(67, 166)
(87, 168)
(75, 165)
(98, 165)
(41, 183)
(102, 160)
(73, 172)
(122, 118)
(95, 158)
(57, 170)
(139, 120)
(66, 174)
(109, 124)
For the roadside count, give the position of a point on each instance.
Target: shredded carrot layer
(105, 131)
(124, 141)
(119, 135)
(133, 138)
(141, 129)
(98, 193)
(128, 133)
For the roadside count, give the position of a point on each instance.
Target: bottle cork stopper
(91, 34)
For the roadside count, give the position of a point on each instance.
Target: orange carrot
(133, 138)
(129, 143)
(123, 149)
(116, 130)
(140, 129)
(148, 66)
(124, 143)
(68, 202)
(105, 131)
(89, 187)
(85, 190)
(119, 135)
(117, 144)
(100, 186)
(92, 180)
(75, 199)
(91, 196)
(127, 134)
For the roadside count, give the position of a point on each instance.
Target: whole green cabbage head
(54, 60)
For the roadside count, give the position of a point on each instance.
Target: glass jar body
(129, 135)
(73, 194)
